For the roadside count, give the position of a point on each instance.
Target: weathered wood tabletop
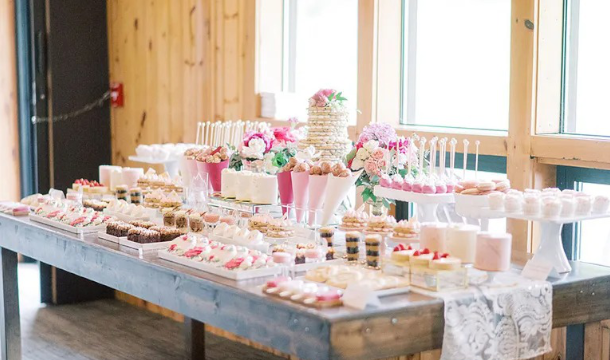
(403, 324)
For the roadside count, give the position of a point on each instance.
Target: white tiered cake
(327, 126)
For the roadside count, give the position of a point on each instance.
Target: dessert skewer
(466, 142)
(476, 160)
(452, 143)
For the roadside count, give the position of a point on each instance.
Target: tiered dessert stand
(551, 247)
(475, 210)
(170, 165)
(427, 204)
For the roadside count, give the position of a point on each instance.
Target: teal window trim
(487, 163)
(569, 177)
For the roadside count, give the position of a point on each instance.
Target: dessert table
(403, 324)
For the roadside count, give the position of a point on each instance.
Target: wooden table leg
(194, 336)
(10, 328)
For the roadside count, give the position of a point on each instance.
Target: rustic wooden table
(404, 324)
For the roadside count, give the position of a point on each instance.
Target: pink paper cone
(317, 193)
(336, 190)
(214, 171)
(284, 182)
(300, 188)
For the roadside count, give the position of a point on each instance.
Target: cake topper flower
(327, 97)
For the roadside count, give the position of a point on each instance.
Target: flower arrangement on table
(380, 151)
(267, 150)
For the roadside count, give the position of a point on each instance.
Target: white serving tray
(229, 274)
(124, 217)
(412, 197)
(107, 237)
(144, 247)
(262, 247)
(62, 226)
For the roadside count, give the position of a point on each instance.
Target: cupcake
(601, 204)
(551, 207)
(568, 206)
(583, 205)
(531, 205)
(496, 200)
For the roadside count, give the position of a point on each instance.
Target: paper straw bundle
(230, 132)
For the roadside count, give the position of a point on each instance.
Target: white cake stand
(551, 247)
(170, 165)
(427, 204)
(475, 208)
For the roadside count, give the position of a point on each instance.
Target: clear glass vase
(376, 208)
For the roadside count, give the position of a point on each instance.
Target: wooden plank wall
(9, 140)
(180, 62)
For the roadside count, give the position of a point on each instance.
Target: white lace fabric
(498, 322)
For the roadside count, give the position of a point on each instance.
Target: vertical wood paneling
(9, 144)
(180, 62)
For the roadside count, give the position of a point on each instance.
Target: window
(321, 47)
(456, 63)
(589, 240)
(586, 70)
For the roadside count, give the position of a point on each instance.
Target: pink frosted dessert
(407, 185)
(441, 187)
(397, 182)
(428, 188)
(385, 181)
(450, 186)
(417, 187)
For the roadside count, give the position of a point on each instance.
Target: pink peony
(250, 135)
(371, 167)
(377, 154)
(283, 135)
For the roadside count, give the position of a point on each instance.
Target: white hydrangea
(362, 154)
(371, 145)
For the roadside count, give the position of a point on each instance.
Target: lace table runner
(507, 317)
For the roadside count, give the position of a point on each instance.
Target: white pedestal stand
(170, 166)
(427, 204)
(551, 246)
(475, 210)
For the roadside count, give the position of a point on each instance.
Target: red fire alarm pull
(117, 98)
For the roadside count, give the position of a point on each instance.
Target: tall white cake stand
(551, 247)
(475, 209)
(427, 204)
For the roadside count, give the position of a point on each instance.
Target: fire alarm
(116, 95)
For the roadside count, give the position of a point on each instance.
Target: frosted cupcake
(601, 204)
(568, 206)
(583, 205)
(513, 203)
(496, 201)
(551, 207)
(531, 205)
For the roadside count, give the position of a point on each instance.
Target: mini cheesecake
(445, 262)
(421, 258)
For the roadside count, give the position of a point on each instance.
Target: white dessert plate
(230, 274)
(62, 226)
(417, 198)
(123, 217)
(402, 240)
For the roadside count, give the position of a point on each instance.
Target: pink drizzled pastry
(428, 188)
(417, 187)
(407, 185)
(397, 182)
(441, 187)
(385, 181)
(450, 186)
